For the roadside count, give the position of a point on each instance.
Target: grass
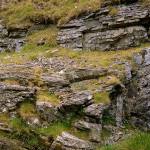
(47, 97)
(4, 118)
(55, 129)
(102, 97)
(24, 13)
(27, 110)
(91, 85)
(138, 141)
(112, 80)
(48, 34)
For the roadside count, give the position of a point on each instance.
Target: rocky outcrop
(11, 39)
(95, 112)
(69, 142)
(131, 101)
(94, 129)
(140, 108)
(76, 102)
(48, 112)
(12, 95)
(118, 27)
(77, 74)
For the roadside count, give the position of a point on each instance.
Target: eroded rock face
(11, 39)
(12, 95)
(103, 30)
(48, 112)
(76, 102)
(141, 105)
(69, 142)
(94, 112)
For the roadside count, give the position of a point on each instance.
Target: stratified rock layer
(11, 39)
(106, 30)
(12, 95)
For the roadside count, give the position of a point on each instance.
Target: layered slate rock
(11, 39)
(79, 74)
(140, 110)
(103, 30)
(69, 142)
(12, 95)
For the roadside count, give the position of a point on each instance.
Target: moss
(113, 11)
(112, 80)
(102, 98)
(4, 118)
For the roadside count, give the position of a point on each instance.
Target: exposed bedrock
(131, 102)
(118, 27)
(11, 39)
(12, 95)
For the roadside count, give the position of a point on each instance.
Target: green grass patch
(102, 97)
(138, 141)
(24, 13)
(55, 129)
(27, 110)
(47, 97)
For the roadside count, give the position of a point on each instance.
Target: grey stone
(11, 39)
(103, 31)
(76, 75)
(47, 111)
(94, 112)
(76, 101)
(12, 95)
(93, 128)
(69, 142)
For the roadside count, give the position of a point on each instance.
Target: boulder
(93, 128)
(94, 112)
(47, 111)
(67, 141)
(76, 102)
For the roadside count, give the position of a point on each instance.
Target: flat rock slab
(67, 141)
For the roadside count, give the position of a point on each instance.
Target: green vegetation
(55, 129)
(138, 141)
(27, 110)
(25, 134)
(56, 11)
(102, 97)
(47, 97)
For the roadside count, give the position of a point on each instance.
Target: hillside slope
(58, 98)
